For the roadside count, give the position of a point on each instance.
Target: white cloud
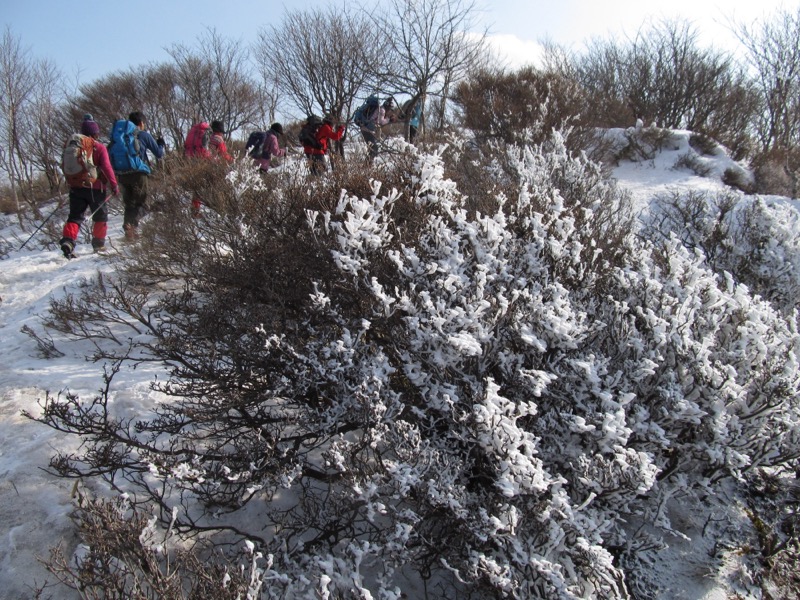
(515, 52)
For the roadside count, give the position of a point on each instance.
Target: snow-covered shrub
(475, 403)
(125, 554)
(643, 143)
(747, 236)
(694, 163)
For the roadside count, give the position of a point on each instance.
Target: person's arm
(218, 143)
(381, 119)
(149, 142)
(101, 160)
(274, 147)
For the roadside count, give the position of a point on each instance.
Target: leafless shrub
(704, 144)
(738, 179)
(519, 108)
(694, 163)
(774, 55)
(699, 220)
(663, 76)
(741, 237)
(124, 554)
(643, 143)
(777, 171)
(773, 502)
(47, 349)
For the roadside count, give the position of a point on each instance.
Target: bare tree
(430, 49)
(113, 97)
(774, 55)
(152, 89)
(664, 76)
(45, 124)
(215, 81)
(28, 92)
(326, 58)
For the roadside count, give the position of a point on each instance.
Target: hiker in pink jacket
(94, 198)
(271, 148)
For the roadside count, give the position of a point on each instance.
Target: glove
(115, 191)
(160, 141)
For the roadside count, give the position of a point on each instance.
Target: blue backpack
(363, 115)
(123, 151)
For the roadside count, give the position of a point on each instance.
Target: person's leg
(99, 208)
(78, 203)
(316, 163)
(134, 196)
(372, 144)
(412, 133)
(129, 214)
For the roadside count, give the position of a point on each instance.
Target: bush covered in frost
(430, 399)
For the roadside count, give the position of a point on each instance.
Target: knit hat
(217, 127)
(277, 128)
(90, 127)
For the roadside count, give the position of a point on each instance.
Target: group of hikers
(95, 172)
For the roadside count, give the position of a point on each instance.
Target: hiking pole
(39, 227)
(101, 205)
(94, 212)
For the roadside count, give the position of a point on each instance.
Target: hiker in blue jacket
(132, 167)
(414, 116)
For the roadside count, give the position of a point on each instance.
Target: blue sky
(91, 39)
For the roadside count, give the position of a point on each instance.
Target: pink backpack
(198, 140)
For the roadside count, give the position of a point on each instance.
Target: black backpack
(255, 144)
(308, 133)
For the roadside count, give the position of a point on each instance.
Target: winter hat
(90, 127)
(277, 128)
(216, 127)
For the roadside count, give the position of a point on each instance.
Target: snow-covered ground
(34, 506)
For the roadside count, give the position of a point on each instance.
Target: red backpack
(77, 161)
(198, 140)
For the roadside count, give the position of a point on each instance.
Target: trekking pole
(39, 227)
(101, 206)
(94, 212)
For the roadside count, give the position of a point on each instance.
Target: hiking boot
(131, 233)
(98, 245)
(67, 246)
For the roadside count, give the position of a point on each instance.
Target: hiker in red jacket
(316, 152)
(217, 143)
(206, 141)
(94, 198)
